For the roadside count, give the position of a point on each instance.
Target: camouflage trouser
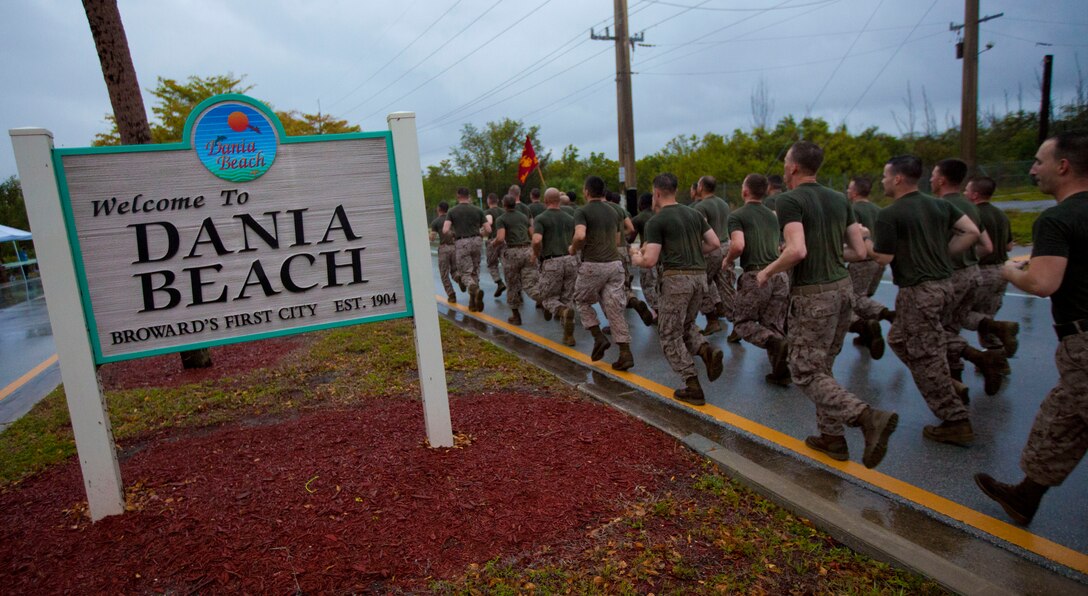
(964, 285)
(494, 256)
(681, 295)
(1059, 436)
(555, 286)
(521, 273)
(650, 280)
(988, 299)
(602, 282)
(719, 284)
(862, 276)
(468, 260)
(628, 275)
(760, 313)
(917, 338)
(817, 324)
(447, 265)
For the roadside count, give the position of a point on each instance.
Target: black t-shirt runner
(1062, 231)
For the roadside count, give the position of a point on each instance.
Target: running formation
(809, 260)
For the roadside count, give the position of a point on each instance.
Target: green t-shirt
(569, 210)
(600, 220)
(771, 201)
(639, 222)
(436, 227)
(679, 230)
(621, 215)
(523, 209)
(916, 229)
(1062, 231)
(716, 212)
(967, 257)
(865, 214)
(495, 213)
(997, 225)
(467, 220)
(517, 227)
(556, 229)
(537, 208)
(825, 214)
(760, 228)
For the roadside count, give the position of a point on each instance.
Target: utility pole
(1044, 108)
(624, 110)
(969, 105)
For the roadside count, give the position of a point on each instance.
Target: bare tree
(928, 114)
(906, 127)
(762, 105)
(128, 105)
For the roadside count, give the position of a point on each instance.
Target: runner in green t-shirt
(494, 251)
(648, 277)
(679, 236)
(553, 231)
(600, 277)
(1058, 268)
(992, 334)
(816, 221)
(517, 259)
(865, 275)
(721, 294)
(916, 234)
(447, 252)
(759, 313)
(468, 223)
(946, 179)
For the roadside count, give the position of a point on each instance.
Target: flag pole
(541, 172)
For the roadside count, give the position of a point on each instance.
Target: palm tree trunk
(128, 104)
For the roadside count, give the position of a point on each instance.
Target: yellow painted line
(23, 380)
(991, 525)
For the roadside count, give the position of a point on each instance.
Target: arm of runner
(446, 227)
(710, 242)
(647, 256)
(736, 249)
(857, 247)
(964, 235)
(1042, 276)
(538, 245)
(578, 240)
(793, 253)
(500, 237)
(985, 246)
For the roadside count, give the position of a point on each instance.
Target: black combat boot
(500, 289)
(991, 363)
(876, 340)
(644, 313)
(830, 445)
(713, 359)
(1020, 501)
(691, 393)
(1005, 331)
(566, 316)
(626, 360)
(600, 343)
(877, 426)
(514, 319)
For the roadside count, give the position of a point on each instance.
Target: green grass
(1021, 193)
(1021, 222)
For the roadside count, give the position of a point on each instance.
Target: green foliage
(175, 101)
(1021, 223)
(13, 214)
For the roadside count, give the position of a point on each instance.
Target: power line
(404, 49)
(700, 6)
(783, 66)
(504, 31)
(827, 81)
(791, 37)
(883, 68)
(427, 57)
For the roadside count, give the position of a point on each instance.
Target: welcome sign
(236, 233)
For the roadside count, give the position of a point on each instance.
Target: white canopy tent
(14, 235)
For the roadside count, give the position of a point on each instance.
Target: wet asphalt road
(1001, 422)
(26, 340)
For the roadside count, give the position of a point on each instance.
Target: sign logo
(235, 141)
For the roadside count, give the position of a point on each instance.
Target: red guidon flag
(528, 161)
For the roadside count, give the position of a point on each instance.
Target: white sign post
(86, 406)
(234, 234)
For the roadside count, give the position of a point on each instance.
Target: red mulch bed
(166, 370)
(337, 501)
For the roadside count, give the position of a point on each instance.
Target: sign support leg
(432, 366)
(86, 405)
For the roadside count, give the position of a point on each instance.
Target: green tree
(12, 213)
(296, 123)
(488, 158)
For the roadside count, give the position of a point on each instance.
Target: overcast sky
(473, 61)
